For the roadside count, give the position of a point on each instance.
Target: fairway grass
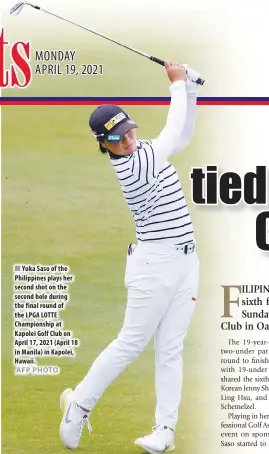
(62, 204)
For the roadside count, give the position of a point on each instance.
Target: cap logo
(114, 121)
(97, 135)
(112, 137)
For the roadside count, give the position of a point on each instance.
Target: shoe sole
(168, 449)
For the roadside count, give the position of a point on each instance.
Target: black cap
(110, 122)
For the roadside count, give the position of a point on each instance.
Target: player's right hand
(175, 71)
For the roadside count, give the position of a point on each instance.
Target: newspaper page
(135, 226)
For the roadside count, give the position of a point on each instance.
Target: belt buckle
(188, 248)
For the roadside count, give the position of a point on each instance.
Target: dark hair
(102, 148)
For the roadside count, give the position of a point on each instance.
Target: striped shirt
(151, 185)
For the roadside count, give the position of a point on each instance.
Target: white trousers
(162, 284)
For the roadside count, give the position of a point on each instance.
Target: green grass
(62, 204)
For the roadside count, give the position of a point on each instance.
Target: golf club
(16, 9)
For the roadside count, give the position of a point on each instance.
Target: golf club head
(16, 9)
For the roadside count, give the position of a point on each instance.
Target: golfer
(162, 268)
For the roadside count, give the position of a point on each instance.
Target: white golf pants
(162, 284)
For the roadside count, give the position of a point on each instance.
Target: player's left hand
(191, 74)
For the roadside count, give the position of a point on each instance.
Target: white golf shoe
(73, 421)
(160, 440)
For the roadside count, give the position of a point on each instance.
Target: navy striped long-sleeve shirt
(151, 185)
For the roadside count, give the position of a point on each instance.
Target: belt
(187, 248)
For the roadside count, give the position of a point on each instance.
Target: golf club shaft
(100, 34)
(156, 60)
